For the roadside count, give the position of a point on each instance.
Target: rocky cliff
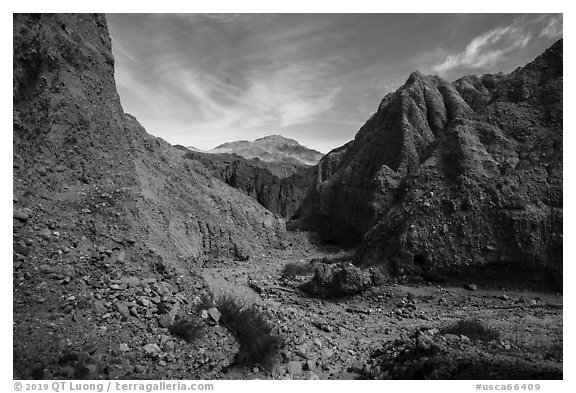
(105, 213)
(449, 175)
(70, 132)
(281, 195)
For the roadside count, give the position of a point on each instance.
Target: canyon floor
(344, 338)
(395, 330)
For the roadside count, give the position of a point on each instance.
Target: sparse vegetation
(473, 329)
(297, 269)
(188, 329)
(251, 330)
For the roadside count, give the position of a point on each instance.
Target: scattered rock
(471, 287)
(424, 342)
(169, 346)
(99, 307)
(152, 350)
(20, 215)
(214, 314)
(22, 250)
(131, 282)
(139, 368)
(45, 234)
(451, 337)
(123, 310)
(294, 368)
(165, 320)
(338, 281)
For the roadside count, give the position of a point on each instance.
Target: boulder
(336, 280)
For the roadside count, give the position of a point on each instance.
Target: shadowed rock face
(280, 195)
(448, 175)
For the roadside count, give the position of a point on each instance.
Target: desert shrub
(473, 329)
(297, 269)
(188, 329)
(250, 328)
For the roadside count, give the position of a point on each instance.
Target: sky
(204, 79)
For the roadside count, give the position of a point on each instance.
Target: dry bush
(188, 329)
(474, 329)
(251, 330)
(297, 269)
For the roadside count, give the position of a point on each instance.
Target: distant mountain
(272, 148)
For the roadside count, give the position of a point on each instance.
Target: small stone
(20, 249)
(294, 368)
(471, 287)
(504, 297)
(309, 365)
(45, 234)
(132, 282)
(169, 346)
(144, 302)
(121, 258)
(423, 342)
(165, 320)
(214, 314)
(152, 350)
(139, 368)
(356, 367)
(123, 309)
(20, 215)
(100, 307)
(123, 347)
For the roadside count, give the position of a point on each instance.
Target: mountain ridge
(436, 156)
(272, 148)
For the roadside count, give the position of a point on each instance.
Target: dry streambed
(389, 330)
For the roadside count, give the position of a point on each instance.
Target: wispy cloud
(553, 28)
(263, 80)
(489, 48)
(205, 79)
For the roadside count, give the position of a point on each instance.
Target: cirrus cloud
(489, 48)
